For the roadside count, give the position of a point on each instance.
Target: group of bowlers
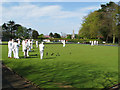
(13, 46)
(27, 45)
(94, 43)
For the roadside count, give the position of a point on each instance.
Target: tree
(51, 34)
(35, 34)
(69, 36)
(109, 11)
(77, 36)
(19, 32)
(8, 29)
(5, 32)
(22, 32)
(56, 35)
(41, 37)
(10, 26)
(12, 30)
(101, 23)
(90, 26)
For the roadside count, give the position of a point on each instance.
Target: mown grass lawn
(73, 66)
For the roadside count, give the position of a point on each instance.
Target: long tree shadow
(96, 77)
(34, 55)
(50, 58)
(21, 57)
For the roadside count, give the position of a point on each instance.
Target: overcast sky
(46, 17)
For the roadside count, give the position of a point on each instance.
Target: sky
(46, 17)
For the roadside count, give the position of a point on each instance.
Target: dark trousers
(25, 53)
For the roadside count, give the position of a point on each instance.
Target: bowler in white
(16, 48)
(41, 48)
(10, 47)
(37, 44)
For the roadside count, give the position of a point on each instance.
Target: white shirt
(16, 45)
(41, 47)
(10, 44)
(26, 45)
(36, 42)
(29, 42)
(63, 42)
(92, 42)
(19, 42)
(23, 42)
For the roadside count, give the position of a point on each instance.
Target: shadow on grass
(22, 57)
(79, 76)
(32, 51)
(34, 55)
(50, 58)
(85, 79)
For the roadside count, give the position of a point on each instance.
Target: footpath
(11, 81)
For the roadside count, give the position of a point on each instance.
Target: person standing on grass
(10, 47)
(13, 48)
(29, 44)
(23, 45)
(18, 41)
(26, 49)
(97, 42)
(16, 49)
(63, 43)
(92, 43)
(41, 48)
(37, 44)
(32, 44)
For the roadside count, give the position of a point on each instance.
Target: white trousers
(37, 45)
(17, 53)
(27, 52)
(31, 46)
(92, 45)
(9, 52)
(41, 54)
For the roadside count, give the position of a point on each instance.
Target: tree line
(13, 30)
(101, 24)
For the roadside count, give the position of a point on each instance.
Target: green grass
(78, 66)
(5, 42)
